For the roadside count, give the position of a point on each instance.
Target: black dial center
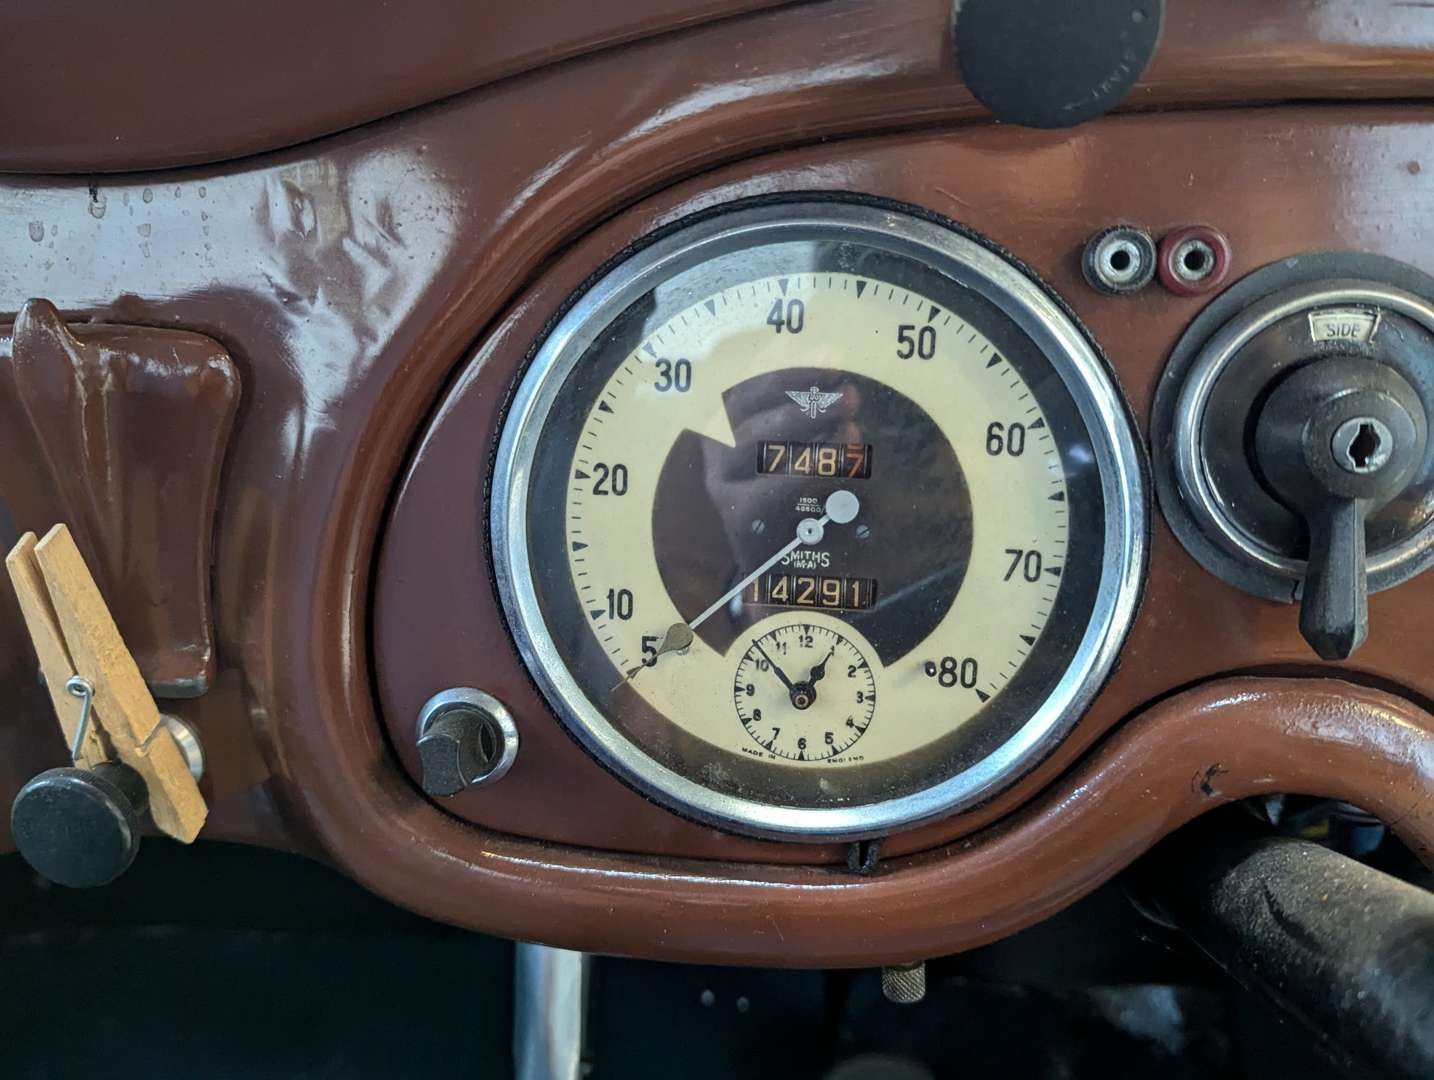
(718, 515)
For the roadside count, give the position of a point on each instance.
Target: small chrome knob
(466, 738)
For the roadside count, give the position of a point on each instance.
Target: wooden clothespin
(75, 637)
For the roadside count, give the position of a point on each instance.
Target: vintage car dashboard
(702, 490)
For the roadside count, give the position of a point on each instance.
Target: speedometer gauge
(817, 519)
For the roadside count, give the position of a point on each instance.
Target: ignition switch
(1291, 433)
(1336, 441)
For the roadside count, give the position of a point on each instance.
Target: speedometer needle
(841, 508)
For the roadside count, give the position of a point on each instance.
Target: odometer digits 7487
(795, 459)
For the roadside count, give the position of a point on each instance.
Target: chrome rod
(549, 1012)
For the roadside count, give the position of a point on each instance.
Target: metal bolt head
(1362, 445)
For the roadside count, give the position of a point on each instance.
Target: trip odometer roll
(817, 519)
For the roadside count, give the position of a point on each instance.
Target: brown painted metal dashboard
(379, 292)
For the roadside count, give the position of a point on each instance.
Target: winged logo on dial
(814, 401)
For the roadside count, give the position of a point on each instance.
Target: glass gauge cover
(817, 519)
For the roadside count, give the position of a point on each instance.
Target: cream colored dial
(722, 429)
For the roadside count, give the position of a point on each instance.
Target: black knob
(465, 738)
(1337, 440)
(1053, 63)
(80, 827)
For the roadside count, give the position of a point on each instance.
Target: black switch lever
(1338, 439)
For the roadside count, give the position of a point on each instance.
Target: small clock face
(804, 691)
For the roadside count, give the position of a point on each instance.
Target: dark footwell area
(226, 961)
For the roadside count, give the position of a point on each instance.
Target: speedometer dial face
(817, 520)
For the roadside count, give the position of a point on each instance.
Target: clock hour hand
(820, 671)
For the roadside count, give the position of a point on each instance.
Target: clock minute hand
(780, 673)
